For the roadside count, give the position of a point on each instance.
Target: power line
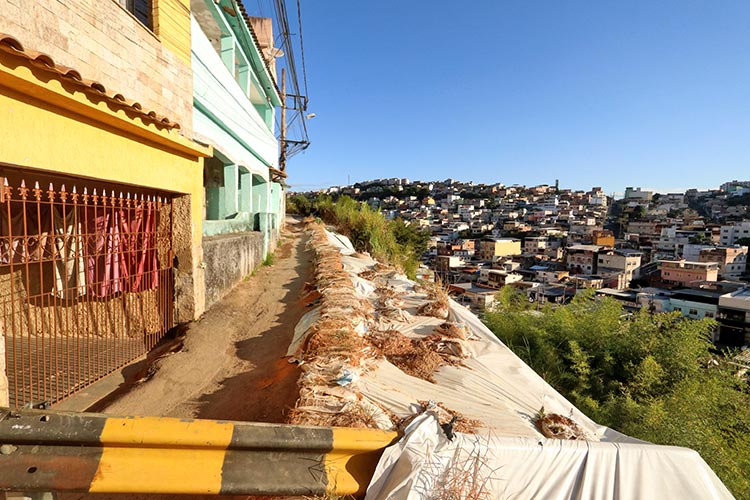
(299, 100)
(302, 45)
(295, 100)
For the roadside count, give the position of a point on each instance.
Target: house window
(141, 9)
(693, 312)
(709, 314)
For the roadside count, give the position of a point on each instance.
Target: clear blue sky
(650, 93)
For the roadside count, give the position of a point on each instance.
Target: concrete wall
(106, 43)
(685, 306)
(229, 258)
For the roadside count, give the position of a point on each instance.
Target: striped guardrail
(81, 452)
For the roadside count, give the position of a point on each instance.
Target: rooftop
(44, 62)
(586, 248)
(473, 288)
(702, 296)
(620, 294)
(743, 294)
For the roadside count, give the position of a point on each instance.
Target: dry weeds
(454, 330)
(465, 478)
(555, 426)
(411, 356)
(464, 424)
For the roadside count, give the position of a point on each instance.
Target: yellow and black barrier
(54, 451)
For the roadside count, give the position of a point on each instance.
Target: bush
(391, 242)
(652, 376)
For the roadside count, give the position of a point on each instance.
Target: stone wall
(229, 258)
(107, 44)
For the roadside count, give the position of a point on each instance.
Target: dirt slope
(232, 364)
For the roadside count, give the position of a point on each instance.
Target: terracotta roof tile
(45, 62)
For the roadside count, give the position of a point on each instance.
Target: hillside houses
(552, 242)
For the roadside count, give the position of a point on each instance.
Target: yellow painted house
(102, 189)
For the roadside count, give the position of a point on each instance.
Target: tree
(700, 239)
(643, 374)
(638, 212)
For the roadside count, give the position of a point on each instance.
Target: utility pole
(282, 138)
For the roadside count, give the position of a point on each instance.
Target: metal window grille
(86, 282)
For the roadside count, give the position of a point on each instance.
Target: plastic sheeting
(424, 464)
(496, 388)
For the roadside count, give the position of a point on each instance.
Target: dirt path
(232, 364)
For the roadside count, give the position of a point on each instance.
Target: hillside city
(183, 315)
(684, 252)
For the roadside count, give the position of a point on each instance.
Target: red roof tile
(45, 62)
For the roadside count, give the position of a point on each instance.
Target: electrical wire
(296, 100)
(302, 46)
(299, 99)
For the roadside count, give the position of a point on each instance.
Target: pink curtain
(121, 250)
(140, 248)
(104, 258)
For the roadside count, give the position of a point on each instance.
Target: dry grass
(452, 351)
(435, 309)
(438, 305)
(466, 478)
(369, 274)
(332, 345)
(453, 330)
(411, 356)
(464, 424)
(555, 426)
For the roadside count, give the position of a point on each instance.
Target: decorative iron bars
(86, 283)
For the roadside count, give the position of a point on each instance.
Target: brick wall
(105, 43)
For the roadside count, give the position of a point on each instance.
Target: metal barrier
(78, 452)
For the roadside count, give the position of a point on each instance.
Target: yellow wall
(63, 143)
(504, 248)
(53, 125)
(608, 240)
(172, 26)
(44, 125)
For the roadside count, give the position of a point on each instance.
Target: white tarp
(496, 388)
(424, 464)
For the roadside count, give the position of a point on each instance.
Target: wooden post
(282, 138)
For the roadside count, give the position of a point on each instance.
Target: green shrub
(392, 242)
(651, 376)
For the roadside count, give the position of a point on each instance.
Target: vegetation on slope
(651, 376)
(389, 241)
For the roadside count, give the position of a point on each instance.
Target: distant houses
(550, 242)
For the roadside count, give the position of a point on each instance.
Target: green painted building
(235, 97)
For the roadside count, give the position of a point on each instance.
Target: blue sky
(595, 93)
